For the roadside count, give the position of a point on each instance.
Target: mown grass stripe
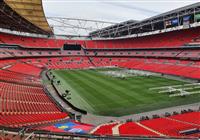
(105, 95)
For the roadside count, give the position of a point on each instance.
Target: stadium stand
(132, 128)
(22, 105)
(25, 102)
(164, 40)
(31, 119)
(167, 66)
(10, 76)
(105, 129)
(192, 117)
(25, 69)
(35, 42)
(175, 39)
(29, 42)
(168, 126)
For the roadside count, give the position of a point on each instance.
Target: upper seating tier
(162, 40)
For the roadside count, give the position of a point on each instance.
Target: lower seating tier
(30, 119)
(172, 126)
(23, 105)
(132, 128)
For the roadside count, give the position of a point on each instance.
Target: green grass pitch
(104, 95)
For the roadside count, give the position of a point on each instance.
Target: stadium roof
(27, 16)
(117, 29)
(182, 9)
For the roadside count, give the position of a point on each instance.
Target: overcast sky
(111, 10)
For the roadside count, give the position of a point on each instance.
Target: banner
(186, 20)
(197, 17)
(168, 23)
(69, 127)
(175, 21)
(74, 127)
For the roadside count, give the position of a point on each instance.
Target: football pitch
(101, 94)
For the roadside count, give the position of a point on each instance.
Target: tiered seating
(30, 119)
(4, 54)
(11, 76)
(21, 97)
(192, 117)
(182, 68)
(194, 42)
(167, 126)
(29, 42)
(5, 63)
(172, 68)
(35, 42)
(23, 105)
(101, 62)
(177, 53)
(105, 129)
(169, 39)
(25, 69)
(190, 54)
(131, 128)
(70, 65)
(23, 102)
(60, 62)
